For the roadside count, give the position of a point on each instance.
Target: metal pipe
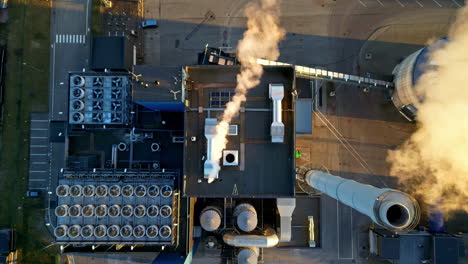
(269, 239)
(114, 156)
(392, 209)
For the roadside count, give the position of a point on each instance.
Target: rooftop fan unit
(116, 94)
(116, 117)
(116, 106)
(77, 117)
(97, 81)
(78, 93)
(116, 82)
(166, 191)
(98, 93)
(77, 105)
(97, 105)
(97, 117)
(78, 80)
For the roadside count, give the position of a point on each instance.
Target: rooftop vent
(140, 211)
(101, 190)
(277, 127)
(60, 231)
(152, 211)
(88, 210)
(76, 190)
(62, 190)
(100, 231)
(116, 82)
(89, 190)
(113, 231)
(98, 94)
(74, 210)
(116, 94)
(152, 231)
(126, 231)
(97, 81)
(74, 231)
(140, 191)
(61, 210)
(139, 231)
(77, 105)
(114, 210)
(165, 231)
(166, 191)
(153, 191)
(114, 190)
(77, 118)
(101, 210)
(78, 80)
(127, 190)
(127, 211)
(230, 157)
(87, 231)
(165, 211)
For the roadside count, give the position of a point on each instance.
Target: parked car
(149, 24)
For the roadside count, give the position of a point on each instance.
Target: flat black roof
(109, 52)
(265, 169)
(168, 79)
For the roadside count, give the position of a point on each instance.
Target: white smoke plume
(433, 163)
(260, 41)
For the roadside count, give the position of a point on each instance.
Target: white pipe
(270, 239)
(276, 92)
(392, 209)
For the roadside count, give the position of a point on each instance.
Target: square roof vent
(230, 158)
(232, 130)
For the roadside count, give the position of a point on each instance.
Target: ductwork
(285, 208)
(246, 217)
(277, 127)
(210, 165)
(392, 209)
(269, 239)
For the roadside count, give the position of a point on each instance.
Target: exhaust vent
(101, 190)
(78, 81)
(88, 210)
(166, 211)
(114, 210)
(277, 127)
(87, 231)
(140, 211)
(101, 210)
(76, 190)
(152, 231)
(127, 211)
(61, 210)
(114, 190)
(153, 191)
(62, 190)
(89, 190)
(126, 231)
(127, 190)
(100, 231)
(165, 231)
(152, 211)
(113, 231)
(139, 231)
(78, 93)
(230, 158)
(77, 118)
(166, 191)
(140, 191)
(74, 210)
(77, 105)
(74, 231)
(61, 231)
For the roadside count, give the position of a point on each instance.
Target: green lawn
(26, 91)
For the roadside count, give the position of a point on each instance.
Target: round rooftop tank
(60, 231)
(100, 231)
(74, 231)
(152, 211)
(153, 190)
(140, 211)
(139, 231)
(89, 190)
(127, 211)
(210, 218)
(76, 190)
(140, 190)
(113, 231)
(101, 210)
(87, 231)
(246, 217)
(88, 210)
(126, 231)
(61, 210)
(165, 211)
(166, 191)
(165, 231)
(115, 190)
(101, 190)
(62, 190)
(74, 210)
(114, 210)
(127, 190)
(152, 231)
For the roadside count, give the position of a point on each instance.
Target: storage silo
(407, 74)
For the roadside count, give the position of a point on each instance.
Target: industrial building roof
(110, 52)
(264, 169)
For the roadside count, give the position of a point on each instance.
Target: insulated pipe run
(392, 209)
(269, 239)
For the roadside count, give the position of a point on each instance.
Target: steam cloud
(433, 163)
(260, 41)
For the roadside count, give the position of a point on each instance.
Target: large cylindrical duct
(152, 211)
(100, 231)
(127, 190)
(246, 217)
(74, 231)
(74, 210)
(101, 190)
(126, 231)
(140, 211)
(139, 231)
(62, 190)
(392, 209)
(87, 231)
(152, 231)
(101, 210)
(153, 190)
(114, 210)
(88, 210)
(89, 190)
(140, 190)
(165, 231)
(269, 239)
(127, 211)
(247, 256)
(115, 190)
(113, 231)
(61, 210)
(76, 190)
(210, 218)
(60, 231)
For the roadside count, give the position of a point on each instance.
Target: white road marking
(456, 3)
(362, 3)
(437, 3)
(421, 5)
(380, 2)
(398, 1)
(70, 38)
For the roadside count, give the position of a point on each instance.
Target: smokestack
(210, 165)
(277, 127)
(392, 209)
